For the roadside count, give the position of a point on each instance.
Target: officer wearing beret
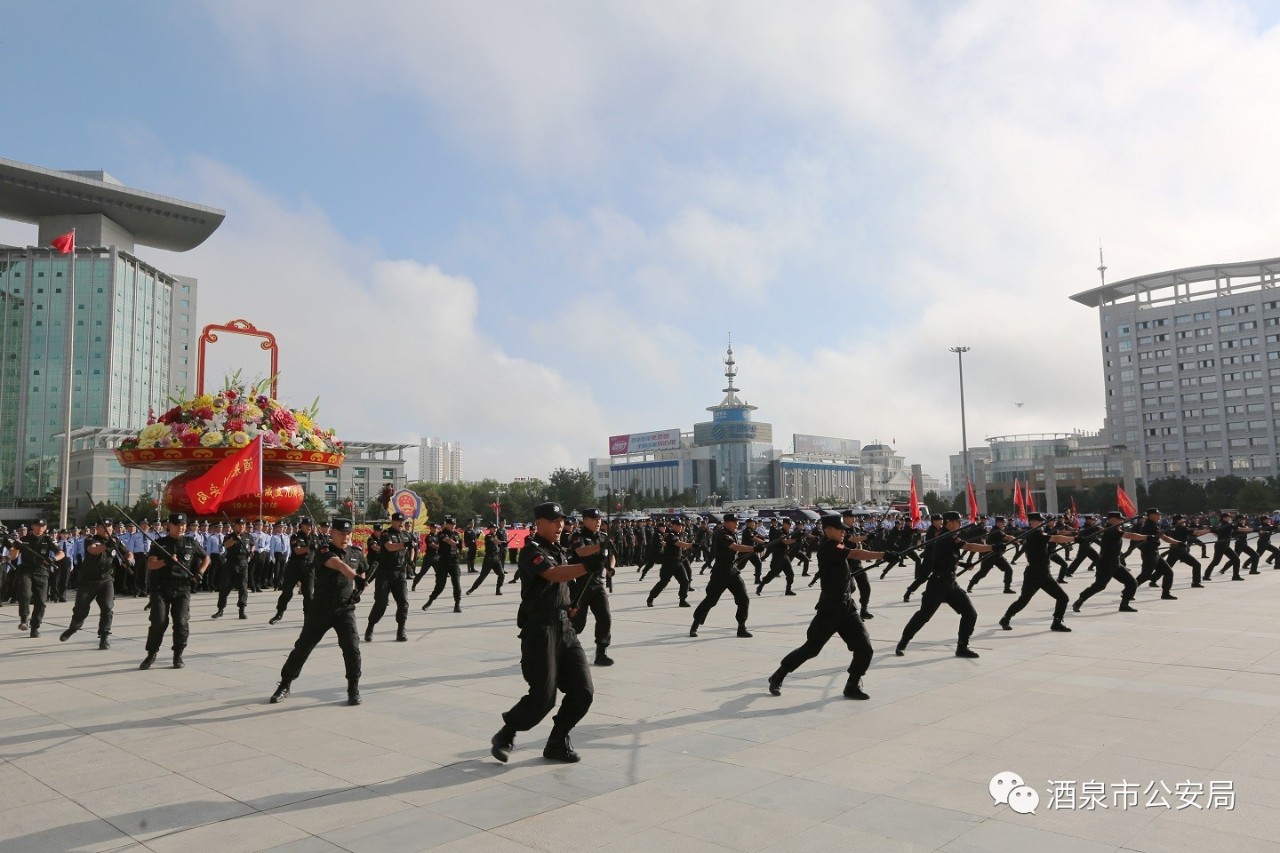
(94, 581)
(837, 611)
(174, 562)
(392, 552)
(595, 550)
(36, 552)
(551, 657)
(237, 550)
(298, 569)
(341, 574)
(939, 563)
(448, 543)
(725, 575)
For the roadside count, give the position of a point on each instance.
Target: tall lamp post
(964, 437)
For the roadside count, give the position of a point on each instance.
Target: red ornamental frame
(238, 327)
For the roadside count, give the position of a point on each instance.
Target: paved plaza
(683, 750)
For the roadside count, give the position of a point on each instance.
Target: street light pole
(964, 437)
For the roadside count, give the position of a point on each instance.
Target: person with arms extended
(175, 562)
(551, 657)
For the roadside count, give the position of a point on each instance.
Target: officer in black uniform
(726, 574)
(1222, 534)
(674, 556)
(492, 562)
(779, 549)
(997, 537)
(298, 569)
(551, 657)
(1153, 565)
(38, 552)
(470, 541)
(941, 552)
(175, 561)
(1241, 540)
(447, 564)
(341, 575)
(1266, 529)
(1180, 552)
(1107, 565)
(1038, 576)
(391, 581)
(589, 591)
(1085, 537)
(94, 581)
(237, 551)
(837, 611)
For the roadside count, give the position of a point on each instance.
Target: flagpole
(70, 380)
(260, 477)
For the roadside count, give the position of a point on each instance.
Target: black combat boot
(558, 748)
(501, 744)
(282, 691)
(147, 661)
(353, 691)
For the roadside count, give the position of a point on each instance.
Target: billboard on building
(822, 445)
(644, 442)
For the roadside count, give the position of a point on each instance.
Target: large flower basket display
(198, 433)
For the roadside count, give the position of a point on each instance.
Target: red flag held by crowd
(1122, 501)
(1019, 505)
(1029, 498)
(1074, 511)
(915, 504)
(234, 476)
(65, 243)
(973, 503)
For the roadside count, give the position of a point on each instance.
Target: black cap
(951, 515)
(302, 521)
(448, 519)
(1152, 511)
(548, 511)
(591, 513)
(848, 513)
(40, 521)
(833, 521)
(937, 516)
(177, 518)
(397, 516)
(677, 520)
(786, 519)
(239, 521)
(998, 519)
(342, 525)
(377, 527)
(1035, 516)
(730, 516)
(103, 522)
(1115, 513)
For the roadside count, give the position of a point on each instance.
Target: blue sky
(547, 217)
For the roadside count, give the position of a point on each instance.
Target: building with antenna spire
(731, 459)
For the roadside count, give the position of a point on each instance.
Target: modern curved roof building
(133, 325)
(1191, 366)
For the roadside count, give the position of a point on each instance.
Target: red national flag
(1074, 511)
(1029, 498)
(234, 476)
(973, 503)
(915, 504)
(1122, 501)
(1019, 505)
(66, 243)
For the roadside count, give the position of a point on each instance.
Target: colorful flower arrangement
(233, 417)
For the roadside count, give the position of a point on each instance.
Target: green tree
(1175, 494)
(313, 507)
(1256, 496)
(572, 488)
(104, 511)
(1222, 492)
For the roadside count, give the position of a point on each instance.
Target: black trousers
(471, 558)
(679, 571)
(1155, 568)
(551, 659)
(985, 565)
(597, 601)
(237, 578)
(33, 587)
(1177, 555)
(1087, 552)
(140, 574)
(826, 623)
(1264, 546)
(1104, 574)
(1222, 551)
(104, 594)
(1034, 580)
(445, 574)
(169, 599)
(922, 576)
(864, 585)
(937, 593)
(316, 624)
(1242, 548)
(389, 585)
(297, 571)
(58, 588)
(721, 581)
(778, 567)
(487, 567)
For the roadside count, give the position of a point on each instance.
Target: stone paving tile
(682, 750)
